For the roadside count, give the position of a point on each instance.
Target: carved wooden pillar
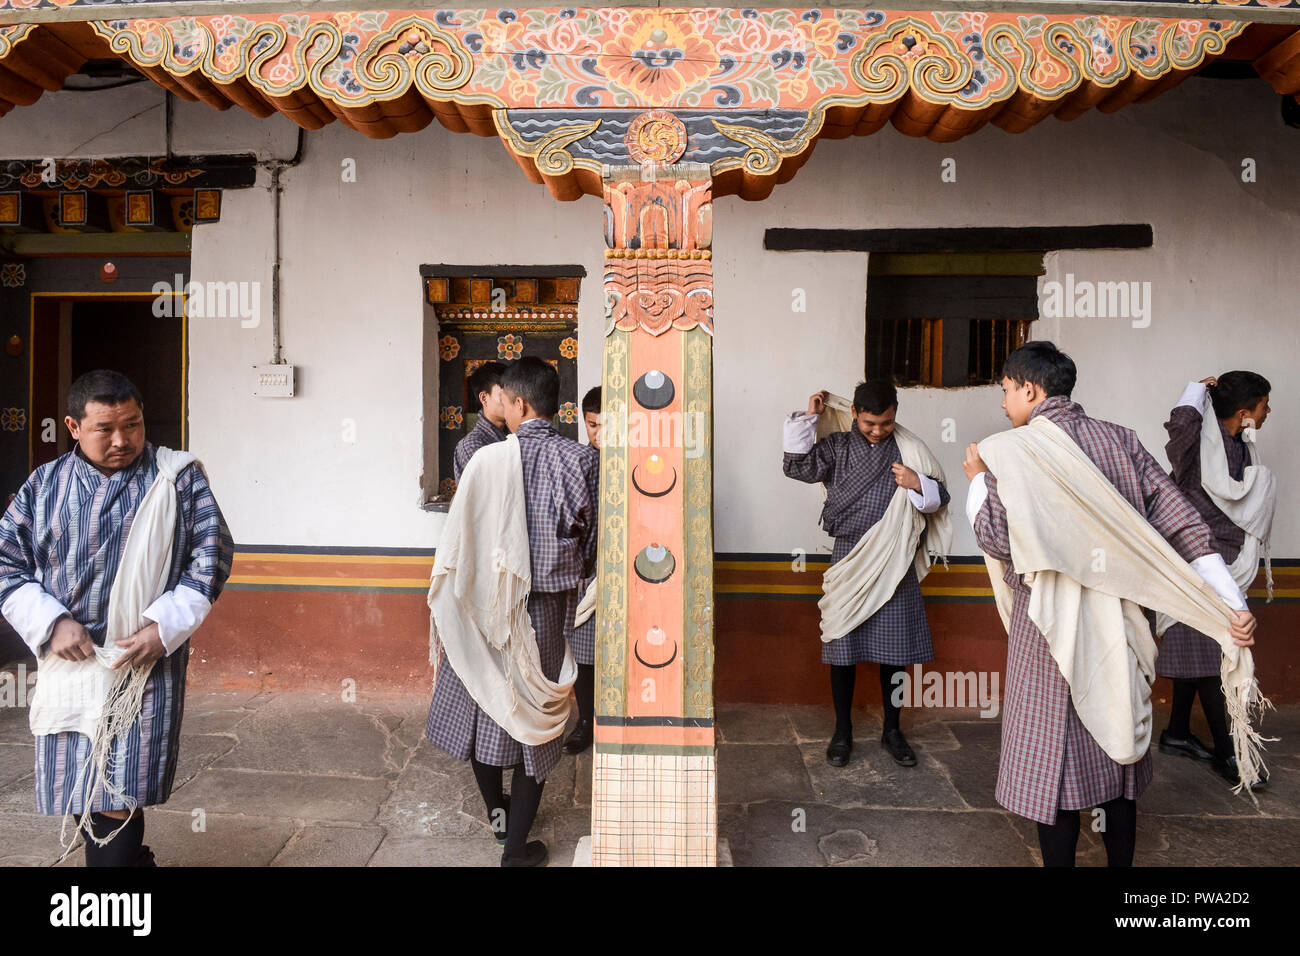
(654, 795)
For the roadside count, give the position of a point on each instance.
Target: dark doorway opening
(72, 335)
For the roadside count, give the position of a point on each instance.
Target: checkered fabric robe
(483, 433)
(1185, 651)
(859, 486)
(561, 478)
(67, 529)
(1049, 761)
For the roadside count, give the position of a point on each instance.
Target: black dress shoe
(896, 744)
(1227, 769)
(534, 855)
(1187, 746)
(837, 754)
(580, 739)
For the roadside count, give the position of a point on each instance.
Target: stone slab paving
(312, 779)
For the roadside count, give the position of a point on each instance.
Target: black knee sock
(1058, 840)
(488, 779)
(887, 688)
(123, 849)
(525, 798)
(1216, 714)
(584, 688)
(1120, 833)
(843, 678)
(1180, 714)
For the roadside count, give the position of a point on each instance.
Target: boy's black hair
(875, 396)
(591, 401)
(104, 386)
(484, 377)
(1238, 390)
(536, 382)
(1043, 364)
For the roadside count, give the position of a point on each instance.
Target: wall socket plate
(273, 381)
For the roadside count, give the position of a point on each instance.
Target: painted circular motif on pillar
(654, 564)
(653, 390)
(656, 136)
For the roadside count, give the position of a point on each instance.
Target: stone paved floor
(294, 779)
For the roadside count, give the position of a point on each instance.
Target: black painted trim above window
(990, 239)
(502, 272)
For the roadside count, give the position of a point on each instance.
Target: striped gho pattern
(654, 794)
(67, 529)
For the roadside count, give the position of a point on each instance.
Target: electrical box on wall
(273, 381)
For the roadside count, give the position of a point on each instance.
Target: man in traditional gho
(1216, 465)
(584, 630)
(518, 541)
(485, 386)
(110, 558)
(886, 508)
(1082, 529)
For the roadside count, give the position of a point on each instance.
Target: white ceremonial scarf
(1249, 503)
(587, 606)
(1091, 563)
(859, 584)
(478, 601)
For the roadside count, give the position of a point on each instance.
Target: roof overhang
(752, 90)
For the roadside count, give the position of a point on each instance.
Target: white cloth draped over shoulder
(859, 585)
(1091, 568)
(587, 606)
(1248, 503)
(478, 601)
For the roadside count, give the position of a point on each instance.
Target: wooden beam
(96, 244)
(1176, 9)
(976, 240)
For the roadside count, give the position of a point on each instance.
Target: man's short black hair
(103, 386)
(875, 396)
(482, 380)
(1043, 364)
(1238, 390)
(536, 382)
(591, 401)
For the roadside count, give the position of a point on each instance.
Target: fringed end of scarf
(1246, 706)
(121, 711)
(435, 646)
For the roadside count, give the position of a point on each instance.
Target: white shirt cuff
(32, 612)
(1215, 573)
(799, 434)
(976, 495)
(178, 614)
(928, 501)
(1193, 396)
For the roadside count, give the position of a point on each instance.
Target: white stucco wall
(1223, 288)
(1223, 282)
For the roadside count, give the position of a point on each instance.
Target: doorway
(75, 334)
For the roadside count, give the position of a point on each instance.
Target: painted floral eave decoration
(697, 58)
